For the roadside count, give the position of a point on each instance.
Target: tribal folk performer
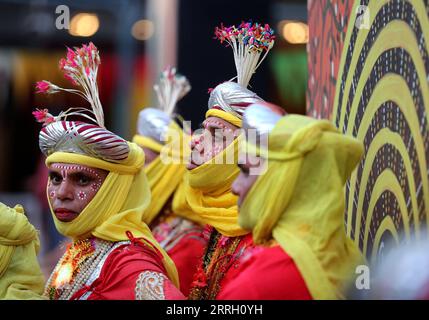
(295, 209)
(166, 146)
(213, 164)
(97, 192)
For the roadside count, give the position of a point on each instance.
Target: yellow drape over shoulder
(118, 206)
(206, 192)
(20, 274)
(300, 201)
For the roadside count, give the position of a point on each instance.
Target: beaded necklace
(220, 255)
(73, 270)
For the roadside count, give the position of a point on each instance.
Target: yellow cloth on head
(20, 274)
(225, 116)
(118, 206)
(148, 143)
(300, 200)
(206, 191)
(165, 173)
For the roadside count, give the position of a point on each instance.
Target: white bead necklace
(86, 268)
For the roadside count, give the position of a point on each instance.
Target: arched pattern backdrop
(382, 98)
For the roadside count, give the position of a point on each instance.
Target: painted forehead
(75, 168)
(217, 122)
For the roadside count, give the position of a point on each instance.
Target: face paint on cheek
(82, 196)
(208, 153)
(96, 186)
(216, 150)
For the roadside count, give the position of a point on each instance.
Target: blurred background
(136, 40)
(364, 66)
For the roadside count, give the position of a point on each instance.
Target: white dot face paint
(95, 186)
(71, 187)
(82, 195)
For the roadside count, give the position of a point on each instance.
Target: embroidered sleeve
(150, 286)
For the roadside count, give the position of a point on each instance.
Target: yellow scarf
(117, 207)
(206, 192)
(225, 116)
(299, 201)
(147, 142)
(164, 178)
(20, 274)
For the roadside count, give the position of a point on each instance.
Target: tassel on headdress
(250, 44)
(154, 122)
(80, 67)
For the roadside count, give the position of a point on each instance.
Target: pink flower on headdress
(85, 58)
(62, 63)
(43, 86)
(70, 78)
(91, 48)
(170, 73)
(80, 67)
(222, 33)
(71, 56)
(256, 37)
(43, 116)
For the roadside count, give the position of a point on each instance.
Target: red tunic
(131, 271)
(264, 273)
(219, 265)
(234, 268)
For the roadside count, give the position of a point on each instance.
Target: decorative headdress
(154, 122)
(248, 42)
(262, 117)
(59, 135)
(259, 120)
